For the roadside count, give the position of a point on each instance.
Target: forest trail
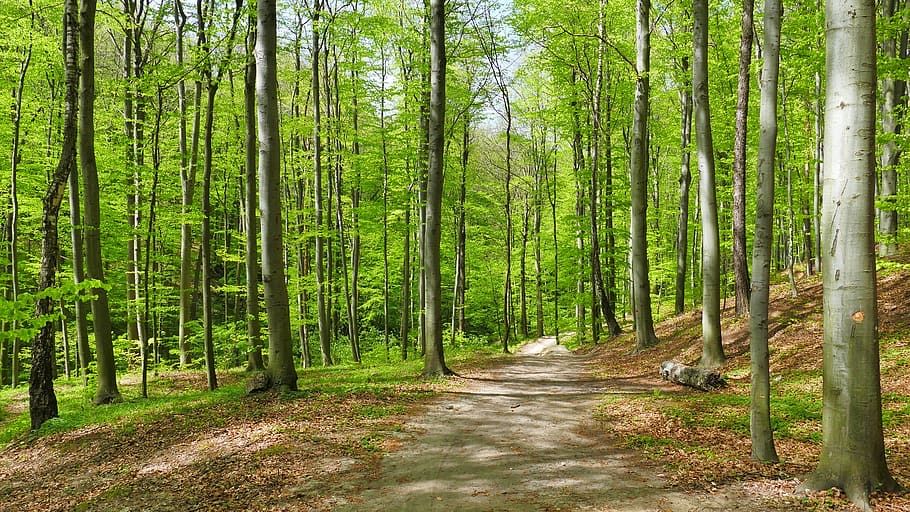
(520, 437)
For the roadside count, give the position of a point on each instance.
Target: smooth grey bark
(106, 391)
(892, 97)
(712, 349)
(685, 181)
(281, 356)
(251, 260)
(740, 266)
(641, 286)
(42, 401)
(434, 359)
(325, 336)
(760, 418)
(853, 448)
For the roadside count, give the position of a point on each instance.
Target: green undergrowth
(176, 394)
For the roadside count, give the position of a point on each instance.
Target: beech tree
(434, 359)
(853, 447)
(760, 418)
(282, 374)
(101, 314)
(712, 351)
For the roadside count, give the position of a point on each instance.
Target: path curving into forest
(522, 437)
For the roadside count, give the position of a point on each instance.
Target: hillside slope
(703, 438)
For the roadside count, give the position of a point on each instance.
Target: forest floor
(701, 440)
(545, 430)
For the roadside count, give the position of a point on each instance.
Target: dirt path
(522, 437)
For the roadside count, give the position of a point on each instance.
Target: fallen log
(699, 378)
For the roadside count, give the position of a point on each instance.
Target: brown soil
(522, 437)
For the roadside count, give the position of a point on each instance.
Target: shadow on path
(522, 437)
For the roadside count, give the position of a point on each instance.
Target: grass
(378, 377)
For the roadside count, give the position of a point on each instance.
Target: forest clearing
(454, 255)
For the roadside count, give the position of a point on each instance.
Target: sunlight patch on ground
(244, 438)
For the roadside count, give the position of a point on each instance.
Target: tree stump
(698, 378)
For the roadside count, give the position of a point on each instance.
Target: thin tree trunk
(740, 266)
(107, 391)
(15, 158)
(641, 286)
(712, 349)
(253, 328)
(685, 180)
(760, 418)
(893, 97)
(405, 324)
(188, 166)
(144, 320)
(82, 345)
(462, 235)
(325, 340)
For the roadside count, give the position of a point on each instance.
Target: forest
(454, 255)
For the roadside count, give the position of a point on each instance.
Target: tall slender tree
(106, 391)
(282, 374)
(712, 350)
(893, 91)
(740, 267)
(434, 358)
(760, 418)
(253, 329)
(641, 283)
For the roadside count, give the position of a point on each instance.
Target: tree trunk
(15, 158)
(42, 401)
(405, 325)
(82, 346)
(760, 418)
(107, 391)
(281, 356)
(740, 266)
(892, 97)
(523, 270)
(325, 336)
(853, 448)
(144, 320)
(712, 349)
(188, 166)
(641, 285)
(253, 328)
(434, 361)
(685, 180)
(207, 311)
(578, 165)
(461, 237)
